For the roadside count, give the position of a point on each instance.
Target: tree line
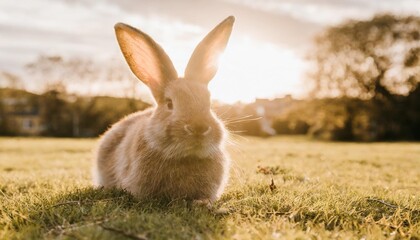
(59, 114)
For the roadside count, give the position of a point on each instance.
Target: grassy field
(280, 188)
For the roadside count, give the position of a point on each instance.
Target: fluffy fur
(175, 150)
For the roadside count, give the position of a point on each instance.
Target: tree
(375, 59)
(56, 111)
(10, 80)
(85, 76)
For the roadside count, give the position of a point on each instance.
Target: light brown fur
(175, 150)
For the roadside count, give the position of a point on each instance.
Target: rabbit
(177, 149)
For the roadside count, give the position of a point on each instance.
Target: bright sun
(251, 69)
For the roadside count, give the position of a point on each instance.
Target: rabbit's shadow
(113, 213)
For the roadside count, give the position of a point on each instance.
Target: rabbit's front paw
(203, 203)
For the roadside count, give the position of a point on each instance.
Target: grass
(280, 188)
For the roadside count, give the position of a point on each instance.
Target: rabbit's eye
(169, 104)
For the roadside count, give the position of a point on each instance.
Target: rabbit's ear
(204, 60)
(146, 59)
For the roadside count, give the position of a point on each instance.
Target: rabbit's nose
(197, 129)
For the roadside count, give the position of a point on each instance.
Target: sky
(265, 57)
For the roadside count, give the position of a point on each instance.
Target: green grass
(322, 190)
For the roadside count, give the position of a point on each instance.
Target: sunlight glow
(252, 69)
(248, 69)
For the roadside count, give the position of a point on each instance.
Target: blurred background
(344, 70)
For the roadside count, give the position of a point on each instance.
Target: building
(269, 109)
(20, 113)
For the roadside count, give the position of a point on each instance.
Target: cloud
(79, 28)
(330, 12)
(73, 28)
